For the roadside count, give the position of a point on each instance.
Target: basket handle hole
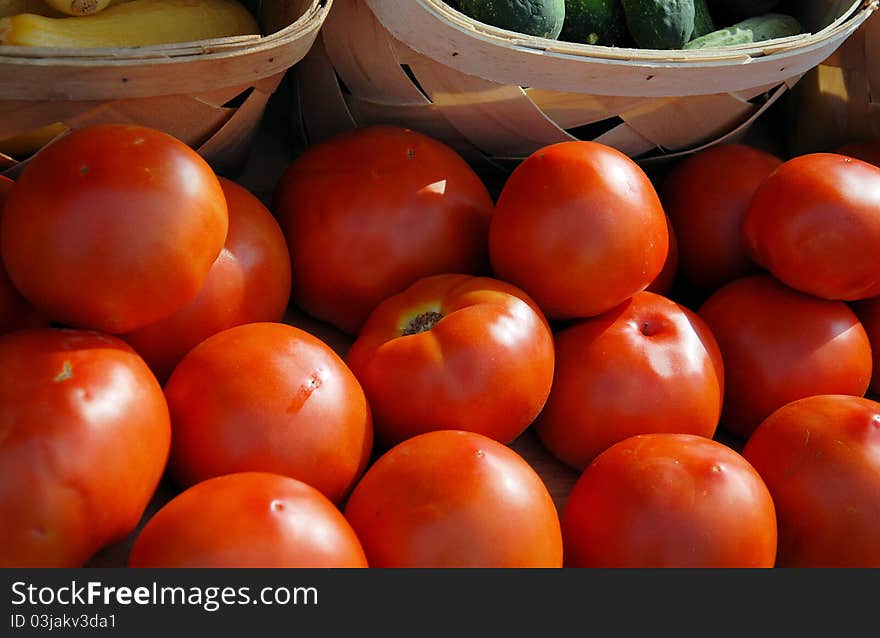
(239, 99)
(412, 78)
(595, 129)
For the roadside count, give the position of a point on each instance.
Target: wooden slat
(674, 124)
(498, 119)
(320, 105)
(570, 110)
(363, 55)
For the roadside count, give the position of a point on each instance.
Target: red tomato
(649, 365)
(113, 227)
(706, 196)
(579, 227)
(669, 500)
(249, 282)
(454, 499)
(815, 224)
(268, 397)
(369, 212)
(780, 345)
(820, 458)
(84, 437)
(868, 312)
(454, 351)
(866, 150)
(15, 311)
(251, 519)
(664, 282)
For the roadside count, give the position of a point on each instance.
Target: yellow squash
(131, 24)
(39, 7)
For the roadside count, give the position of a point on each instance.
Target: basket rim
(443, 34)
(388, 13)
(193, 68)
(308, 24)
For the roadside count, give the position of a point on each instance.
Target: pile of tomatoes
(697, 347)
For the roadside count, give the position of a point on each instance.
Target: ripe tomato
(820, 458)
(113, 227)
(815, 224)
(15, 311)
(868, 312)
(252, 519)
(369, 212)
(454, 351)
(579, 227)
(649, 365)
(664, 282)
(669, 500)
(454, 499)
(268, 397)
(780, 345)
(249, 282)
(84, 437)
(706, 196)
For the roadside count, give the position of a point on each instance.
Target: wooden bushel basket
(843, 93)
(210, 94)
(496, 96)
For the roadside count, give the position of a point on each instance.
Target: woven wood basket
(843, 93)
(496, 96)
(210, 94)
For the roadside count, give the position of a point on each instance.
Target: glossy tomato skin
(369, 212)
(669, 500)
(85, 440)
(15, 311)
(454, 499)
(649, 365)
(868, 312)
(815, 225)
(485, 367)
(780, 345)
(579, 227)
(706, 197)
(250, 519)
(820, 458)
(113, 227)
(248, 283)
(268, 397)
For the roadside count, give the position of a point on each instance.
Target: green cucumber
(541, 18)
(660, 24)
(598, 22)
(766, 27)
(746, 8)
(703, 23)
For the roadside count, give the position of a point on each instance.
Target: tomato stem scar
(65, 374)
(422, 323)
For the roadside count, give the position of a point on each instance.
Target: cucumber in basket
(660, 24)
(599, 22)
(542, 18)
(758, 29)
(703, 22)
(746, 8)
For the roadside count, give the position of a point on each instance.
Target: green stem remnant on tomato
(422, 323)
